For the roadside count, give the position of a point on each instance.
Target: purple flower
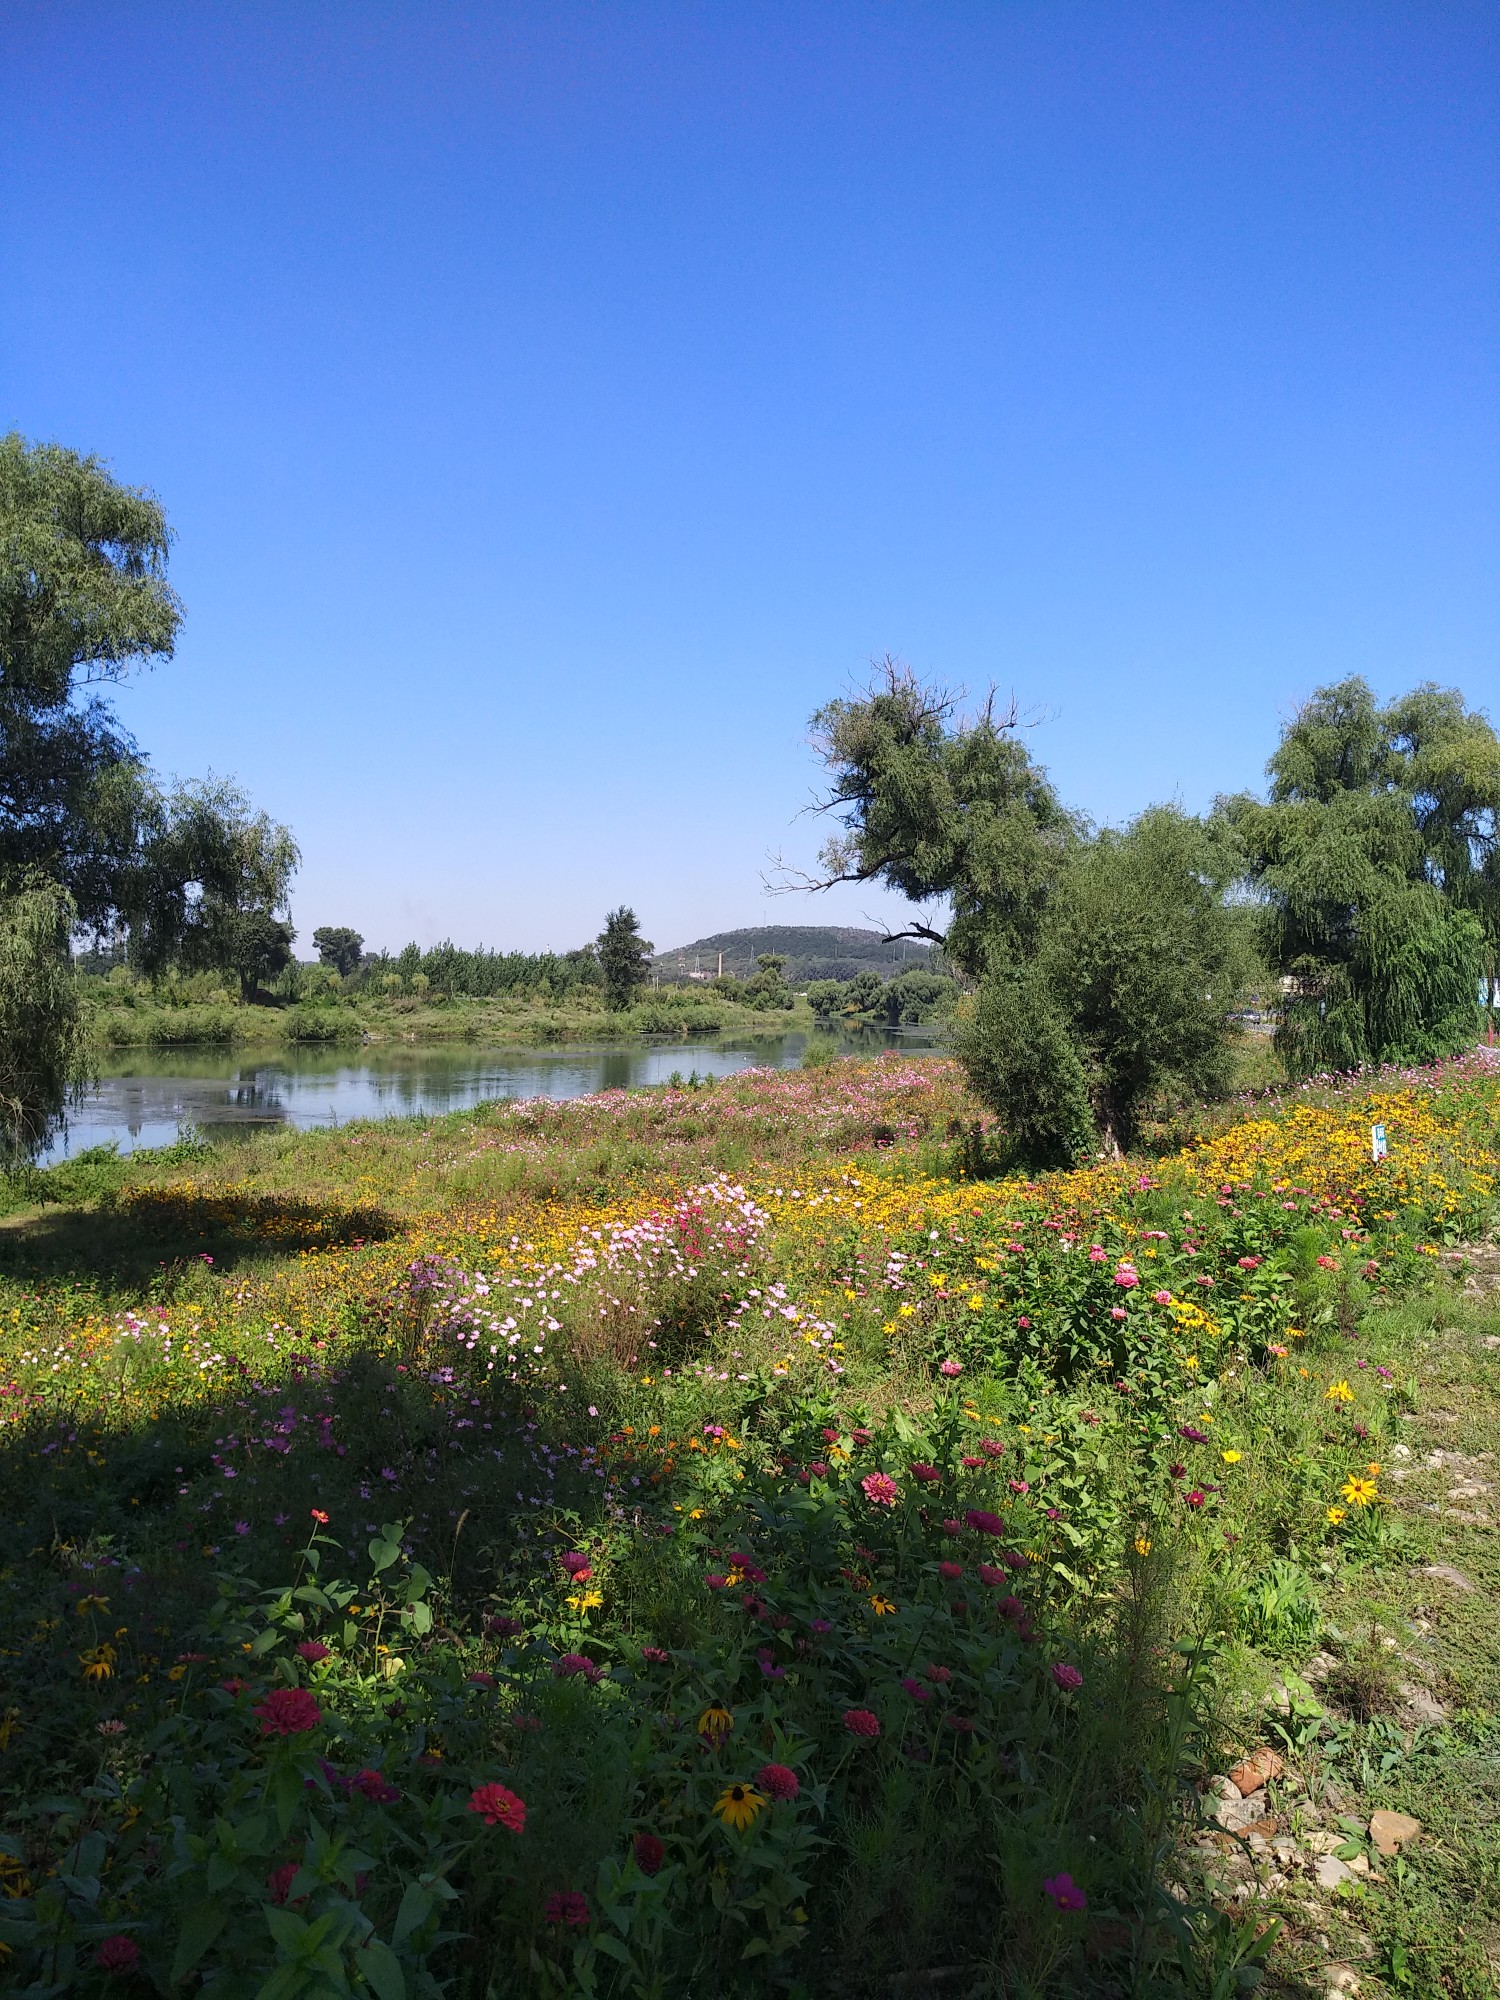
(1065, 1892)
(1067, 1677)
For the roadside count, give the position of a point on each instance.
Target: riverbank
(141, 1019)
(759, 1532)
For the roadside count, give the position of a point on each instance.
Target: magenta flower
(778, 1781)
(313, 1650)
(118, 1954)
(1065, 1892)
(983, 1523)
(1126, 1277)
(566, 1906)
(992, 1576)
(924, 1474)
(1162, 1298)
(576, 1663)
(950, 1368)
(880, 1489)
(1067, 1677)
(650, 1852)
(577, 1565)
(950, 1572)
(860, 1722)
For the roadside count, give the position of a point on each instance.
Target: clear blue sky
(555, 403)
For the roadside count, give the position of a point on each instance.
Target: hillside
(811, 951)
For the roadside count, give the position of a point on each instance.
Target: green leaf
(383, 1554)
(265, 1641)
(417, 1905)
(200, 1927)
(382, 1970)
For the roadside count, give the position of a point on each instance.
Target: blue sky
(555, 403)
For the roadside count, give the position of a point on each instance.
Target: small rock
(1235, 1814)
(1257, 1769)
(1340, 1979)
(1421, 1704)
(1358, 1864)
(1331, 1873)
(1321, 1841)
(1492, 1340)
(1391, 1830)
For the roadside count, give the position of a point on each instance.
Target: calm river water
(145, 1098)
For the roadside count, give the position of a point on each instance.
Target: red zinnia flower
(950, 1572)
(1066, 1677)
(566, 1906)
(880, 1489)
(313, 1650)
(650, 1852)
(280, 1880)
(118, 1954)
(990, 1575)
(577, 1565)
(287, 1712)
(924, 1473)
(577, 1663)
(860, 1722)
(983, 1523)
(499, 1807)
(778, 1781)
(319, 1516)
(657, 1655)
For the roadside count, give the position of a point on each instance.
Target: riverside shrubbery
(739, 1585)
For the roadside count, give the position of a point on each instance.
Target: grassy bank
(140, 1018)
(707, 1542)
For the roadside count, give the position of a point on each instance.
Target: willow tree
(1377, 862)
(1105, 963)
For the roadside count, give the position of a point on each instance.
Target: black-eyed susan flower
(739, 1806)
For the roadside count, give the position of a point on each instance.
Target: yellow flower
(976, 1304)
(93, 1602)
(97, 1663)
(1359, 1492)
(590, 1601)
(715, 1723)
(882, 1605)
(1231, 1457)
(1338, 1392)
(175, 1673)
(1143, 1545)
(739, 1806)
(1373, 1469)
(1335, 1514)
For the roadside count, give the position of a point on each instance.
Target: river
(146, 1098)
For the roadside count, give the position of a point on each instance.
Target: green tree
(1108, 962)
(1378, 868)
(767, 989)
(624, 958)
(339, 947)
(42, 1046)
(83, 599)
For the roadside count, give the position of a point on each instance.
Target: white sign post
(1377, 1143)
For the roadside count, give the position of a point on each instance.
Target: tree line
(1107, 962)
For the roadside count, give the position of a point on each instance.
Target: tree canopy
(624, 958)
(1108, 962)
(339, 947)
(1377, 864)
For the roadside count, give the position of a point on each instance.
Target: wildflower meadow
(717, 1540)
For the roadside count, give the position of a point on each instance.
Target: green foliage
(339, 947)
(1110, 958)
(83, 598)
(624, 958)
(1378, 861)
(42, 1048)
(768, 991)
(1022, 1061)
(911, 997)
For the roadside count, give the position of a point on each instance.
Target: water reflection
(146, 1097)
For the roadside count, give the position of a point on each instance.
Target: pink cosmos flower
(880, 1489)
(1067, 1677)
(778, 1781)
(1065, 1892)
(860, 1722)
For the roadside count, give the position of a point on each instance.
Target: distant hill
(811, 951)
